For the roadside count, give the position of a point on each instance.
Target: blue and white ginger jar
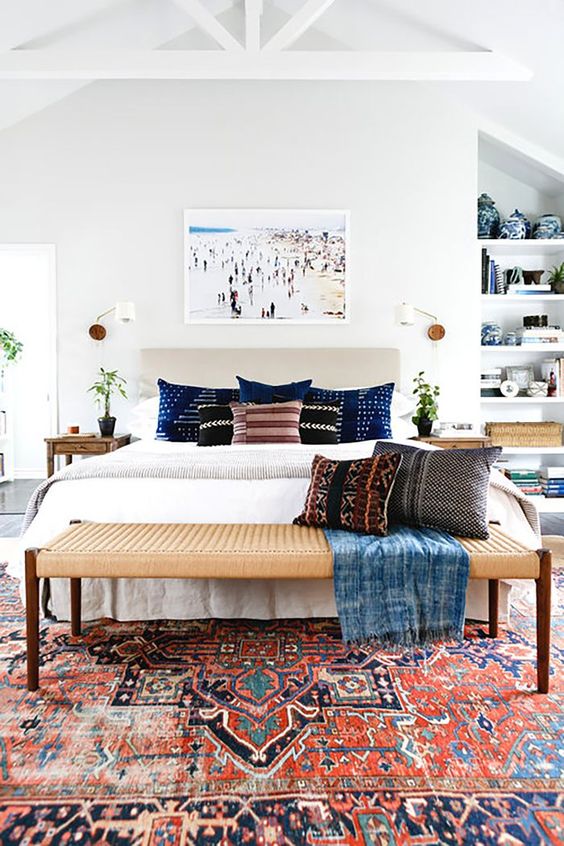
(515, 227)
(547, 226)
(492, 336)
(488, 217)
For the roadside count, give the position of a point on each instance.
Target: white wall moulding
(438, 66)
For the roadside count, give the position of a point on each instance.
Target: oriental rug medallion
(276, 733)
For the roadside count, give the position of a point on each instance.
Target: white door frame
(50, 251)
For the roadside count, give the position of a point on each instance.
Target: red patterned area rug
(274, 734)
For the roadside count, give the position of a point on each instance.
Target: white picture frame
(238, 263)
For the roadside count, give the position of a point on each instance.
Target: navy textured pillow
(261, 393)
(179, 419)
(445, 489)
(365, 412)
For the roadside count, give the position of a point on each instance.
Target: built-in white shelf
(503, 299)
(524, 246)
(546, 349)
(520, 400)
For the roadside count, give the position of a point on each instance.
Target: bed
(272, 496)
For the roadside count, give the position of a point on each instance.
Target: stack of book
(490, 381)
(526, 480)
(537, 335)
(529, 290)
(493, 281)
(552, 481)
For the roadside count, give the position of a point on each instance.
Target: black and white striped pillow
(319, 422)
(216, 425)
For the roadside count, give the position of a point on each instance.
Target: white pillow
(402, 405)
(143, 419)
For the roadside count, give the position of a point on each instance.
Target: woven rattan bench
(263, 551)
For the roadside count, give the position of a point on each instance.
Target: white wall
(106, 173)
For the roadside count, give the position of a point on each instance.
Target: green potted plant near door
(10, 348)
(107, 385)
(427, 408)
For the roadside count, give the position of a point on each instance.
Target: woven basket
(525, 434)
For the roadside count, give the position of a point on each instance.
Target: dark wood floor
(14, 497)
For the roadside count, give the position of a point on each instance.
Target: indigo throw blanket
(405, 589)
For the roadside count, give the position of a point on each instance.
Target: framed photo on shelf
(266, 266)
(522, 375)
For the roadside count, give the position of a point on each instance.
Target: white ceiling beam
(209, 23)
(441, 66)
(253, 12)
(301, 21)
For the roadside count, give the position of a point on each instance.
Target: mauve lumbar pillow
(445, 489)
(269, 423)
(350, 495)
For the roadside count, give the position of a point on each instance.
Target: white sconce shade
(405, 314)
(125, 312)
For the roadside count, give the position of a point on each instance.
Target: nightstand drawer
(459, 444)
(82, 448)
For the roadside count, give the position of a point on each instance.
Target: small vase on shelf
(488, 217)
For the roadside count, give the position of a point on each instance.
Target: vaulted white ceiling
(50, 49)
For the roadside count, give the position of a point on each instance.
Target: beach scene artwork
(273, 266)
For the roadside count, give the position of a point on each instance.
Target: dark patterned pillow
(216, 425)
(318, 422)
(350, 495)
(178, 408)
(260, 392)
(444, 489)
(365, 414)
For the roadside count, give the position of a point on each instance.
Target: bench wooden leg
(32, 618)
(493, 606)
(75, 597)
(543, 584)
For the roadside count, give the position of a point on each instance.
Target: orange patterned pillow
(350, 495)
(270, 423)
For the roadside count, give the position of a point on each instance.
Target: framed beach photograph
(266, 266)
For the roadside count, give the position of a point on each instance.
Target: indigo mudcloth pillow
(365, 412)
(261, 392)
(178, 408)
(216, 425)
(318, 422)
(266, 423)
(350, 495)
(445, 489)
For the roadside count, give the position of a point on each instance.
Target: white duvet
(206, 501)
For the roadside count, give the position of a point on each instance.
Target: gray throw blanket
(406, 589)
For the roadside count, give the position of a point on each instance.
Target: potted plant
(10, 347)
(427, 408)
(108, 384)
(556, 278)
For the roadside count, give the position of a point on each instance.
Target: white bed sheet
(205, 500)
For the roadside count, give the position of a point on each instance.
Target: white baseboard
(29, 473)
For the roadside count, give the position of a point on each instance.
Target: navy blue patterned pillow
(179, 419)
(263, 393)
(365, 412)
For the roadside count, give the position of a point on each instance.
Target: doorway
(28, 393)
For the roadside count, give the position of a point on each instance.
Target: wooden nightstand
(75, 445)
(457, 443)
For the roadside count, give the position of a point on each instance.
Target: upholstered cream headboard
(329, 368)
